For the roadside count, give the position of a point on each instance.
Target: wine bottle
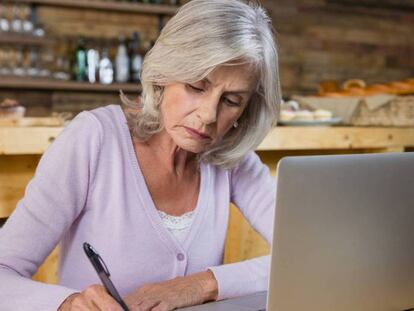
(136, 58)
(80, 61)
(122, 62)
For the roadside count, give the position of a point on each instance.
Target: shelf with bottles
(19, 25)
(91, 64)
(107, 60)
(157, 7)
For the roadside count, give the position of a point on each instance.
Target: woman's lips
(196, 134)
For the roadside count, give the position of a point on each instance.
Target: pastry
(303, 115)
(322, 115)
(286, 115)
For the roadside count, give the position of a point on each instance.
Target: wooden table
(22, 147)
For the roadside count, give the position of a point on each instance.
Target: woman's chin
(193, 148)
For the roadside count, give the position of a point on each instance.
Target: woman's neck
(175, 159)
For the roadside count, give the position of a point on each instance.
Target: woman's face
(199, 114)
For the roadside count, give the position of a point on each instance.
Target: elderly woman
(149, 186)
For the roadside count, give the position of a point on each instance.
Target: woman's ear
(159, 94)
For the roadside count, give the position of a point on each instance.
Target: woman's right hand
(93, 298)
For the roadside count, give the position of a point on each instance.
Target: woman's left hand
(176, 293)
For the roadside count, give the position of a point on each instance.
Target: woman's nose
(208, 111)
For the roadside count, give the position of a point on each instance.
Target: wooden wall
(342, 39)
(318, 40)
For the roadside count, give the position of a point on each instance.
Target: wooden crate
(397, 112)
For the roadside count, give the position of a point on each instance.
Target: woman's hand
(93, 298)
(176, 293)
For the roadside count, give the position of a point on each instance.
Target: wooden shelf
(57, 85)
(23, 39)
(337, 137)
(157, 9)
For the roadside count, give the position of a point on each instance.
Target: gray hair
(203, 35)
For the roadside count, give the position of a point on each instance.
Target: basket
(397, 112)
(374, 110)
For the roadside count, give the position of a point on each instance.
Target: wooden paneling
(47, 272)
(16, 171)
(111, 6)
(69, 22)
(15, 140)
(243, 242)
(321, 40)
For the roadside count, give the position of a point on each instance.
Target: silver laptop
(343, 236)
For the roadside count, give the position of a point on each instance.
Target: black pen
(103, 273)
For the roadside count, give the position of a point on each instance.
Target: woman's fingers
(101, 299)
(162, 306)
(93, 298)
(81, 303)
(146, 305)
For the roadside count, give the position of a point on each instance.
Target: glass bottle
(136, 58)
(122, 62)
(80, 61)
(38, 29)
(93, 63)
(106, 71)
(27, 20)
(4, 22)
(17, 23)
(61, 66)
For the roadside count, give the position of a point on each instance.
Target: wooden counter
(34, 140)
(22, 147)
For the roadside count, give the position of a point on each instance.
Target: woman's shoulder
(100, 125)
(248, 162)
(105, 121)
(108, 116)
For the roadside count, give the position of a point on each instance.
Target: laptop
(343, 236)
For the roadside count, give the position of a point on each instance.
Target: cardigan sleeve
(253, 191)
(53, 199)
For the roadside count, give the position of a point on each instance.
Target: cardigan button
(180, 257)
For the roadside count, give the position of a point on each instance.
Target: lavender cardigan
(89, 187)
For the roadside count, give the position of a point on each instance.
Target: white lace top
(177, 225)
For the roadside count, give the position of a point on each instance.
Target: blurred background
(46, 45)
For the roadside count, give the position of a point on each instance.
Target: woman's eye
(194, 88)
(232, 103)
